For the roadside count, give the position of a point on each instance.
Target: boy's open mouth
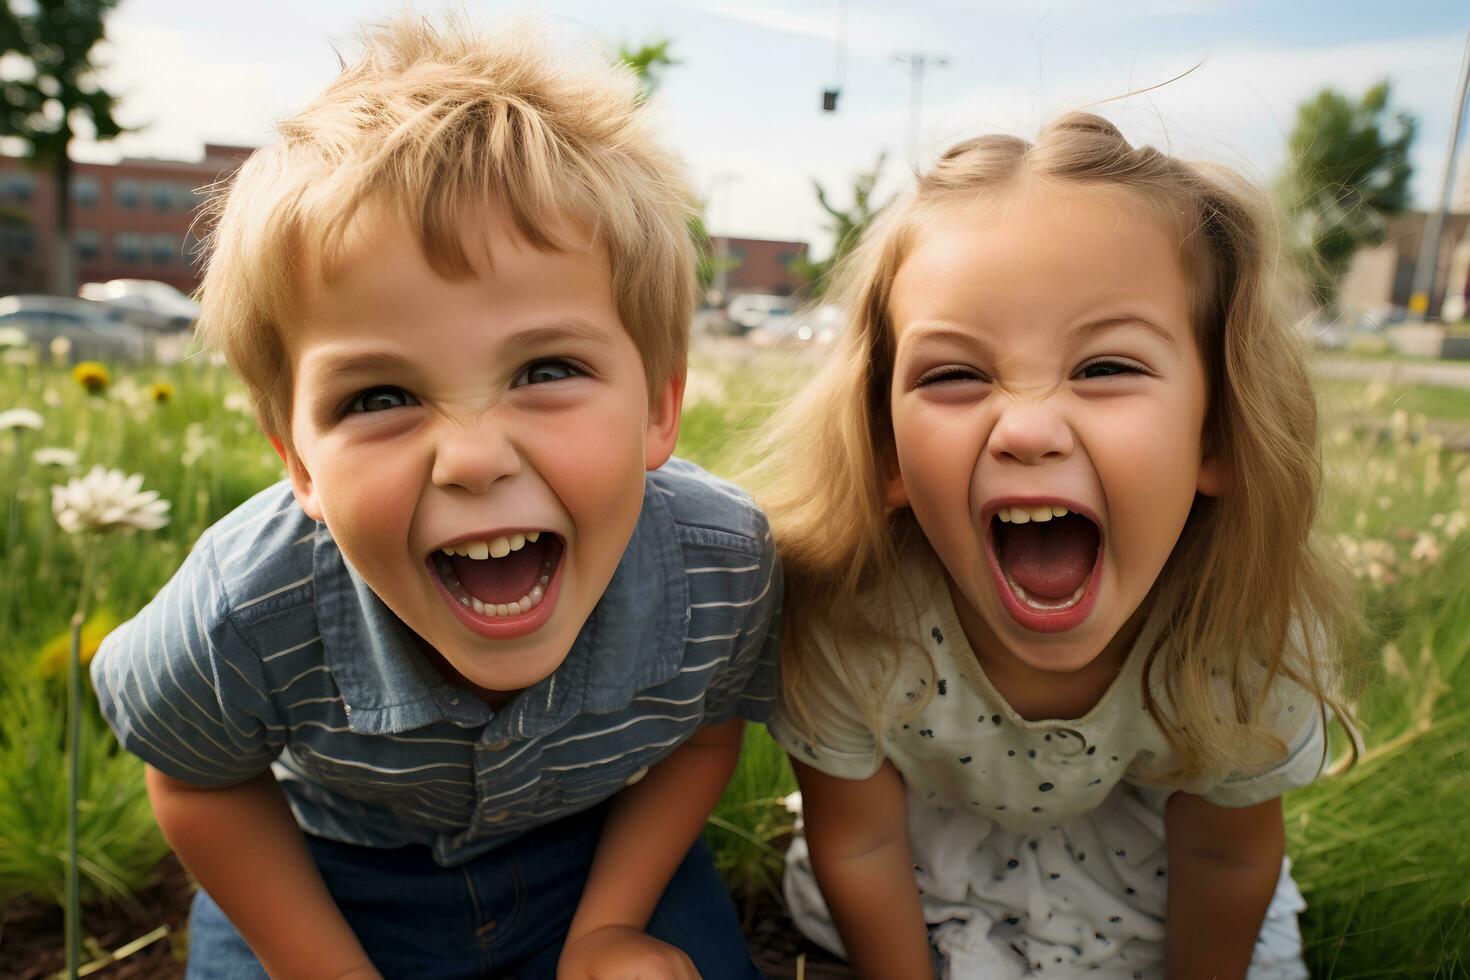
(1045, 558)
(500, 577)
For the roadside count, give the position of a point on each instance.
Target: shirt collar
(634, 639)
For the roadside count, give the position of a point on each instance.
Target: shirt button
(637, 775)
(454, 700)
(346, 708)
(499, 745)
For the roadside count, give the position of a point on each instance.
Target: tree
(645, 61)
(55, 42)
(847, 226)
(1347, 167)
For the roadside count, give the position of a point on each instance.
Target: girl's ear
(890, 477)
(1214, 474)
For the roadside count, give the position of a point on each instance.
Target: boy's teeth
(1024, 515)
(493, 548)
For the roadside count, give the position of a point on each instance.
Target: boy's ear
(664, 412)
(301, 485)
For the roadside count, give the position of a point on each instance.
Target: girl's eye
(948, 374)
(552, 369)
(380, 400)
(1108, 369)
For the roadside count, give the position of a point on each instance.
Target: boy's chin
(497, 676)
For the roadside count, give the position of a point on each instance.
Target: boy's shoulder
(260, 555)
(708, 510)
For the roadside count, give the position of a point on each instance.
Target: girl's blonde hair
(1248, 594)
(436, 124)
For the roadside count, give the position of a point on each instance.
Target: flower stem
(73, 762)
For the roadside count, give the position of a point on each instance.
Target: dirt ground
(32, 945)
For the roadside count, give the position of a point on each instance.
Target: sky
(743, 107)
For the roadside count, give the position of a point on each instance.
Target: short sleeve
(1299, 721)
(180, 687)
(839, 740)
(747, 686)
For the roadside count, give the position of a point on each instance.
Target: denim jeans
(504, 914)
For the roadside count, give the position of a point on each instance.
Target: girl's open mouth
(1046, 560)
(503, 586)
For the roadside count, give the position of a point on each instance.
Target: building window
(185, 197)
(164, 249)
(17, 239)
(127, 246)
(86, 191)
(17, 188)
(161, 194)
(127, 193)
(88, 245)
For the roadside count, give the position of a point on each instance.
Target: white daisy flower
(54, 456)
(107, 499)
(20, 418)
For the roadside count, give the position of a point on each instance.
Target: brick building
(759, 265)
(130, 220)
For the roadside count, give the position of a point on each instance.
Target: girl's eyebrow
(1085, 330)
(940, 333)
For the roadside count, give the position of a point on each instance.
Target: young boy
(456, 699)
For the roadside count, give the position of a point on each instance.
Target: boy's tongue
(501, 580)
(1049, 559)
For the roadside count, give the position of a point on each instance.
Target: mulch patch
(32, 945)
(32, 932)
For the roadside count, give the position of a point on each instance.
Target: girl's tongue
(1049, 559)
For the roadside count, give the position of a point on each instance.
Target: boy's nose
(1031, 433)
(474, 455)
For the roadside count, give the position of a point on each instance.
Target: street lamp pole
(917, 62)
(1427, 268)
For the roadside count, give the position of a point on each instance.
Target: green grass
(1434, 401)
(1381, 853)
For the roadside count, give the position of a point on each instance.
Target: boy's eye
(552, 369)
(949, 373)
(1108, 369)
(380, 400)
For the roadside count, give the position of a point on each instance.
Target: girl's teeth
(1024, 515)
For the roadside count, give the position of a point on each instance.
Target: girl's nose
(473, 455)
(1031, 433)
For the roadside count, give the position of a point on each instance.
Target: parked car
(749, 310)
(818, 325)
(151, 304)
(93, 331)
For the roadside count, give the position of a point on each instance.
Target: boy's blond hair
(436, 123)
(1250, 592)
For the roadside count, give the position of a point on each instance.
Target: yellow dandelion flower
(92, 376)
(51, 662)
(161, 392)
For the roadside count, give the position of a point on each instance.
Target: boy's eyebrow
(560, 331)
(370, 362)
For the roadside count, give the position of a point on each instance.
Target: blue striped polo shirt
(266, 650)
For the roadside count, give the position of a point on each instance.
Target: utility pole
(1427, 268)
(719, 193)
(917, 62)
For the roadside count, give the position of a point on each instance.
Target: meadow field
(1380, 850)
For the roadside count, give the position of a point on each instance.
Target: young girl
(1064, 637)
